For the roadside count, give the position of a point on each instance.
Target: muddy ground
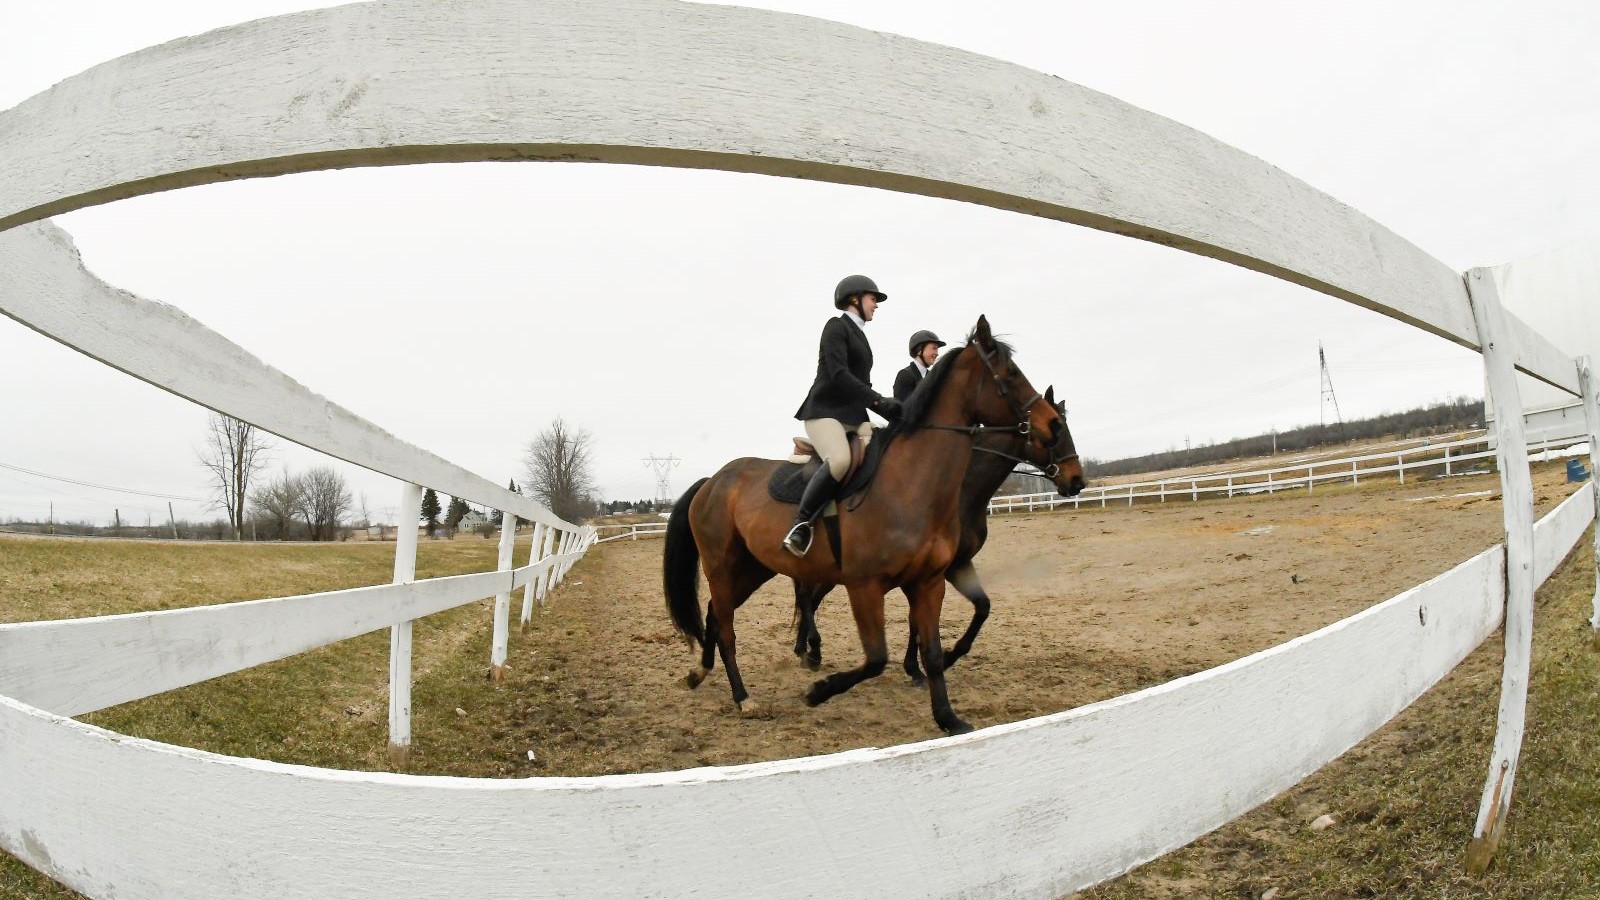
(1087, 605)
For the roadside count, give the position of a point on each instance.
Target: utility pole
(663, 466)
(173, 519)
(1327, 394)
(117, 522)
(52, 517)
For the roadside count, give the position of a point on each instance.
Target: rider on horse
(924, 353)
(839, 400)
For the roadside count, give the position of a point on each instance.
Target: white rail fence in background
(632, 532)
(1441, 459)
(1069, 799)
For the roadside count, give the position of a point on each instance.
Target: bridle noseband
(1023, 427)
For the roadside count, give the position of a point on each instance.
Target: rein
(1023, 427)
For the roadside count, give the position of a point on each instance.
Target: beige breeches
(828, 436)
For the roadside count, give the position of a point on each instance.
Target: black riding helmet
(853, 285)
(924, 337)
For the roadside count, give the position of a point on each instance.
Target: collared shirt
(920, 367)
(856, 318)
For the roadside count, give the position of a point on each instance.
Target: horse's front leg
(866, 603)
(807, 598)
(965, 579)
(927, 596)
(913, 671)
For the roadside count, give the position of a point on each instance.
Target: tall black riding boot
(819, 490)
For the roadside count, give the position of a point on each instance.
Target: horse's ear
(1050, 395)
(981, 333)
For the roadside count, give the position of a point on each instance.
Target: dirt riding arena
(1087, 605)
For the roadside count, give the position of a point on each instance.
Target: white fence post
(526, 620)
(502, 600)
(1194, 491)
(562, 546)
(1355, 476)
(1516, 487)
(1447, 461)
(1591, 415)
(547, 576)
(405, 571)
(1400, 458)
(1311, 478)
(1230, 485)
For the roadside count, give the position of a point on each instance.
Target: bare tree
(324, 501)
(234, 452)
(558, 470)
(277, 503)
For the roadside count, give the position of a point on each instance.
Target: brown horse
(903, 533)
(995, 457)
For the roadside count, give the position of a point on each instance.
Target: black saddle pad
(789, 480)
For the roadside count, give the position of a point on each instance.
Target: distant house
(470, 522)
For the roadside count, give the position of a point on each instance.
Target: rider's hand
(889, 408)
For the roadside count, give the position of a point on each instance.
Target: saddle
(789, 481)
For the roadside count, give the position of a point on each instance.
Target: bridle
(1023, 427)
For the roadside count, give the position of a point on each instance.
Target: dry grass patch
(1405, 799)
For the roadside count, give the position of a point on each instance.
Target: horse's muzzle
(1074, 487)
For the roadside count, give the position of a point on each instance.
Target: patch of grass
(1405, 800)
(327, 707)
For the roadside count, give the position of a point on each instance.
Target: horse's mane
(916, 407)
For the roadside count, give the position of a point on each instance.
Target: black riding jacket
(843, 388)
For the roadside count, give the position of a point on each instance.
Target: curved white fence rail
(1044, 806)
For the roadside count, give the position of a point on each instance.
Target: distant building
(470, 522)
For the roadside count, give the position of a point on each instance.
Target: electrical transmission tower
(1327, 394)
(663, 466)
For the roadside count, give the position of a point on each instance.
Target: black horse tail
(680, 570)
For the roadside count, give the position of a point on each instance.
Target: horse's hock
(703, 87)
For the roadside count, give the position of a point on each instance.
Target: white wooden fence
(632, 532)
(1068, 799)
(1444, 458)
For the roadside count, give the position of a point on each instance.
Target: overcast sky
(463, 307)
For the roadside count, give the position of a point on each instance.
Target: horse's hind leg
(965, 579)
(729, 590)
(866, 602)
(926, 599)
(708, 652)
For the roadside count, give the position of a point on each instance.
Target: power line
(103, 487)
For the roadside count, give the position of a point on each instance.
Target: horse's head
(1013, 401)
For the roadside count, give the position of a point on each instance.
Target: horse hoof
(918, 681)
(814, 663)
(955, 726)
(749, 708)
(695, 676)
(818, 694)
